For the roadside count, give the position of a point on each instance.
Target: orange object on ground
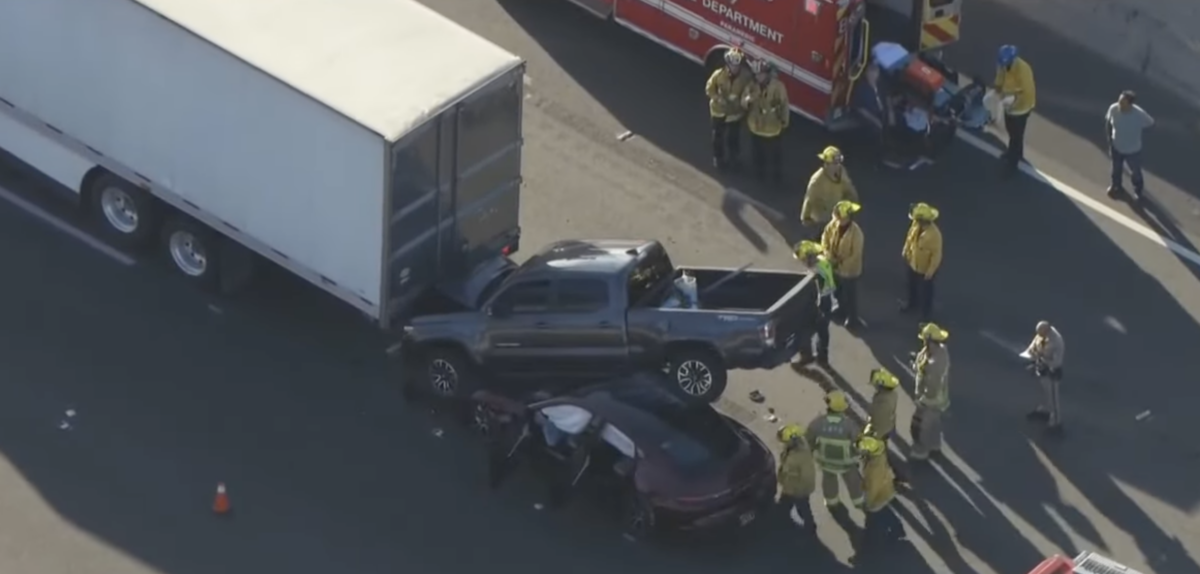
(221, 501)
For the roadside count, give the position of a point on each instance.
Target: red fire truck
(820, 47)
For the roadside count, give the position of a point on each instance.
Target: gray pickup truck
(591, 309)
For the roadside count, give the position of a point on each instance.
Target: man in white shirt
(1124, 123)
(1045, 354)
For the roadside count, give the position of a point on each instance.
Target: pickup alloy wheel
(443, 377)
(694, 377)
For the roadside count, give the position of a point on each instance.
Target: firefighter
(767, 115)
(829, 185)
(923, 255)
(831, 437)
(797, 475)
(813, 258)
(724, 89)
(931, 365)
(881, 414)
(1014, 83)
(879, 490)
(1045, 354)
(842, 242)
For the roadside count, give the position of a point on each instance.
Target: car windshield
(691, 436)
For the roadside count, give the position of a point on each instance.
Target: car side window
(581, 296)
(527, 297)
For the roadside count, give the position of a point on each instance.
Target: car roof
(615, 401)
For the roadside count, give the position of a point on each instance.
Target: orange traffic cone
(221, 501)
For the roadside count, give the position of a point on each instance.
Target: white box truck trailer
(371, 147)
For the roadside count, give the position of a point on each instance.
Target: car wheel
(637, 519)
(449, 374)
(698, 375)
(483, 419)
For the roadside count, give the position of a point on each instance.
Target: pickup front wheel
(698, 375)
(447, 374)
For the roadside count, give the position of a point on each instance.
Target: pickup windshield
(647, 277)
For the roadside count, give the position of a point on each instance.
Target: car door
(587, 338)
(516, 334)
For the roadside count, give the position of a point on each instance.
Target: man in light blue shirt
(1124, 124)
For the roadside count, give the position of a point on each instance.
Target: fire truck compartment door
(940, 20)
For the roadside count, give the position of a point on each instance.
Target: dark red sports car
(674, 465)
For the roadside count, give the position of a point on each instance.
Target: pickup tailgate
(795, 313)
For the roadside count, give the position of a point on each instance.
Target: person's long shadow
(1163, 223)
(1086, 468)
(944, 498)
(1076, 86)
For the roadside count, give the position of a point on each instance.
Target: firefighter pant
(830, 486)
(821, 334)
(881, 527)
(726, 140)
(926, 432)
(767, 154)
(1015, 126)
(799, 510)
(920, 294)
(847, 297)
(1051, 405)
(898, 467)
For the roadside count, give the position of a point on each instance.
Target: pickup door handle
(605, 324)
(541, 325)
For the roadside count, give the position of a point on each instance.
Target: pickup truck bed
(591, 309)
(751, 290)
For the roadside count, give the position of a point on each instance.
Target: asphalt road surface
(283, 395)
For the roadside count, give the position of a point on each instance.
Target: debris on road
(1143, 416)
(624, 136)
(438, 432)
(757, 396)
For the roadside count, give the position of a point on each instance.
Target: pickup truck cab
(591, 309)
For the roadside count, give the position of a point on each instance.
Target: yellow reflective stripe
(940, 32)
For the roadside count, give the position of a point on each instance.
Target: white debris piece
(70, 413)
(437, 432)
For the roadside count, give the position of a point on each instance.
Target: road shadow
(1075, 86)
(1015, 253)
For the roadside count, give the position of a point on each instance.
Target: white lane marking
(765, 209)
(1087, 201)
(66, 228)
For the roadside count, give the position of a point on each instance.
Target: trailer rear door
(455, 185)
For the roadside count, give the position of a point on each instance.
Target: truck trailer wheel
(194, 251)
(699, 375)
(128, 216)
(448, 373)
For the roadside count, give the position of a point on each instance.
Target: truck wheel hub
(119, 209)
(694, 378)
(188, 253)
(443, 377)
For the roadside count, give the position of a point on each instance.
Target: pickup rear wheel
(699, 375)
(448, 373)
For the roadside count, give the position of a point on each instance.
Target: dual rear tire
(132, 219)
